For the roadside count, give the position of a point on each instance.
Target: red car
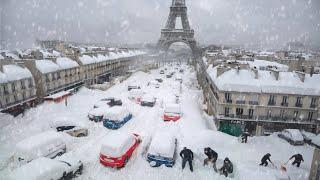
(118, 149)
(172, 112)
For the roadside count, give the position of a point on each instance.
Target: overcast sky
(269, 23)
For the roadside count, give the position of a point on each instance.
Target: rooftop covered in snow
(13, 72)
(264, 81)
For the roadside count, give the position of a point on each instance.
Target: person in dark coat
(265, 159)
(227, 167)
(244, 137)
(187, 156)
(212, 156)
(297, 159)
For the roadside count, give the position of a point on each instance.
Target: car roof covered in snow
(116, 144)
(48, 137)
(116, 113)
(38, 169)
(173, 108)
(316, 140)
(148, 98)
(295, 134)
(163, 144)
(98, 111)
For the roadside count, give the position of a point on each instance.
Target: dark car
(149, 101)
(181, 70)
(168, 75)
(133, 87)
(159, 80)
(162, 72)
(113, 101)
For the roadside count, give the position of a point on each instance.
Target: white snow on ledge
(14, 72)
(66, 63)
(46, 66)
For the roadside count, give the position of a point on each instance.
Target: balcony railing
(229, 101)
(271, 103)
(298, 105)
(284, 104)
(240, 102)
(253, 102)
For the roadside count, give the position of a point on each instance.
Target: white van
(47, 144)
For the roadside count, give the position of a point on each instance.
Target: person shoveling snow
(212, 157)
(227, 167)
(265, 159)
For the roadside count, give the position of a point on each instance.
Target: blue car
(162, 150)
(116, 117)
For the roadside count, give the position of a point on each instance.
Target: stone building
(17, 87)
(260, 100)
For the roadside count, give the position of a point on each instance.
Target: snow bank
(116, 113)
(46, 66)
(14, 72)
(163, 144)
(66, 63)
(117, 144)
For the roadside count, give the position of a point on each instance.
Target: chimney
(222, 69)
(301, 75)
(275, 73)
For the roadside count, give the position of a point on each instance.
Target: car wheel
(153, 163)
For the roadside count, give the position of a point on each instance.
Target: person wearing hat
(265, 159)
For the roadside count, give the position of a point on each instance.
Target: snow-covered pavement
(191, 131)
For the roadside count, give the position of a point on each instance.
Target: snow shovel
(283, 166)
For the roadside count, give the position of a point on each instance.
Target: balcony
(240, 102)
(284, 104)
(271, 103)
(229, 101)
(298, 105)
(253, 102)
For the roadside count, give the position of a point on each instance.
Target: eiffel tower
(170, 34)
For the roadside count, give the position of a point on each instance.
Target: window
(5, 89)
(299, 102)
(239, 111)
(227, 111)
(284, 101)
(30, 83)
(13, 87)
(295, 115)
(272, 100)
(58, 75)
(47, 78)
(310, 115)
(269, 114)
(250, 113)
(281, 113)
(24, 96)
(228, 97)
(313, 102)
(23, 85)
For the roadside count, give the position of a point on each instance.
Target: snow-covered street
(191, 131)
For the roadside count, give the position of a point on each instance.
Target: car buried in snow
(148, 100)
(96, 114)
(154, 83)
(136, 95)
(108, 102)
(46, 144)
(162, 72)
(172, 112)
(293, 136)
(168, 76)
(118, 148)
(130, 87)
(159, 80)
(71, 128)
(162, 150)
(116, 117)
(46, 168)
